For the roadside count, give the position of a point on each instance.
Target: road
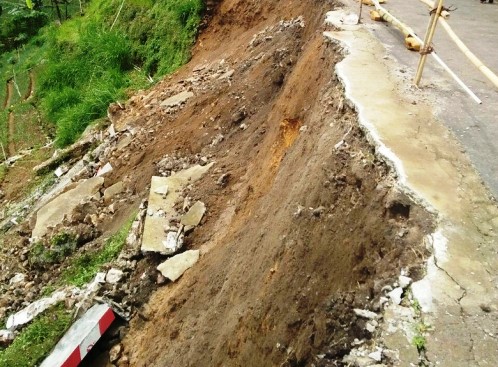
(476, 24)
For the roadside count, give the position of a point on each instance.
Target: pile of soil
(304, 219)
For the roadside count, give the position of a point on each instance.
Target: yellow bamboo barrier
(431, 30)
(386, 15)
(492, 77)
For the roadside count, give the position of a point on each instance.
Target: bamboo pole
(445, 14)
(470, 55)
(431, 29)
(396, 22)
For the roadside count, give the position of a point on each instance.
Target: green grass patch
(84, 267)
(37, 339)
(61, 246)
(90, 65)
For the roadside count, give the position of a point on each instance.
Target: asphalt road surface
(476, 126)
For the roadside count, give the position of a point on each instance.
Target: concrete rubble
(177, 99)
(194, 215)
(174, 267)
(160, 235)
(54, 212)
(29, 313)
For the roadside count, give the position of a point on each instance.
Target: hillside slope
(307, 224)
(305, 221)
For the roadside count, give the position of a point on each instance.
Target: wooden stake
(445, 14)
(407, 30)
(431, 29)
(361, 8)
(470, 55)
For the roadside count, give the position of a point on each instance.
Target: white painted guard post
(80, 338)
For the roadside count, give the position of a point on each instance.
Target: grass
(84, 65)
(84, 267)
(61, 246)
(37, 340)
(90, 65)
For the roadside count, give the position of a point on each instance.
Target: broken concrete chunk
(63, 205)
(112, 191)
(113, 276)
(376, 356)
(104, 170)
(29, 313)
(395, 295)
(366, 314)
(153, 235)
(174, 267)
(173, 242)
(404, 281)
(194, 215)
(177, 99)
(61, 170)
(161, 190)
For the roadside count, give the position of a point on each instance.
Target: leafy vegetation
(61, 246)
(37, 339)
(84, 267)
(89, 61)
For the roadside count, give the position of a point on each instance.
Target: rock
(29, 313)
(6, 337)
(123, 142)
(370, 327)
(18, 278)
(194, 215)
(112, 191)
(174, 267)
(63, 205)
(227, 75)
(217, 139)
(115, 353)
(366, 314)
(395, 295)
(376, 356)
(318, 211)
(177, 99)
(358, 361)
(114, 276)
(404, 281)
(173, 242)
(223, 180)
(161, 279)
(153, 233)
(123, 362)
(104, 170)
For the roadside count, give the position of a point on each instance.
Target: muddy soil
(309, 224)
(304, 219)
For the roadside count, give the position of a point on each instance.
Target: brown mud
(306, 224)
(310, 224)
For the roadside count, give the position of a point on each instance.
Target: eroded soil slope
(304, 220)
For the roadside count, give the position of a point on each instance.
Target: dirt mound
(304, 220)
